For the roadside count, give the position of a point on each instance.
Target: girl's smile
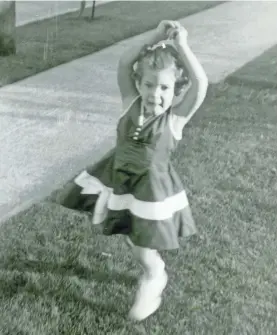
(157, 89)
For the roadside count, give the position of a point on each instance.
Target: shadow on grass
(20, 285)
(68, 270)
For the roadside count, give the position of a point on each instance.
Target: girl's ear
(134, 75)
(136, 79)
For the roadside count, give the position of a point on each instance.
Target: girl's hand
(164, 28)
(178, 35)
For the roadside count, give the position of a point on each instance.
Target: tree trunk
(7, 28)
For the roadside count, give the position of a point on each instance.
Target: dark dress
(135, 190)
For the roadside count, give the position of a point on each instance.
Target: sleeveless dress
(134, 190)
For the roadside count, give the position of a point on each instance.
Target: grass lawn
(51, 42)
(261, 72)
(59, 275)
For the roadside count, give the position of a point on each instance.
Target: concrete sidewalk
(57, 122)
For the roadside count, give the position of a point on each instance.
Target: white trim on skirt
(159, 210)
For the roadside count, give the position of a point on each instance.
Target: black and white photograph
(138, 167)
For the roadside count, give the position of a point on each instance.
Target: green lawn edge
(51, 42)
(259, 73)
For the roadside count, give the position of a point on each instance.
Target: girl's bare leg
(152, 283)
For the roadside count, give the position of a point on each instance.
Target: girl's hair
(161, 57)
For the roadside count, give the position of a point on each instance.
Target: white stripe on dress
(159, 210)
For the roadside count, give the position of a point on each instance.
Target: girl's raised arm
(197, 90)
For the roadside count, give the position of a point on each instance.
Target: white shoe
(149, 297)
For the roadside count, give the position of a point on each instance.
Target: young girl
(134, 190)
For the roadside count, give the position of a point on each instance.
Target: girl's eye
(148, 85)
(164, 88)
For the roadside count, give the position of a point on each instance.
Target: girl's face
(157, 89)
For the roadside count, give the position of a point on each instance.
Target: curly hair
(159, 58)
